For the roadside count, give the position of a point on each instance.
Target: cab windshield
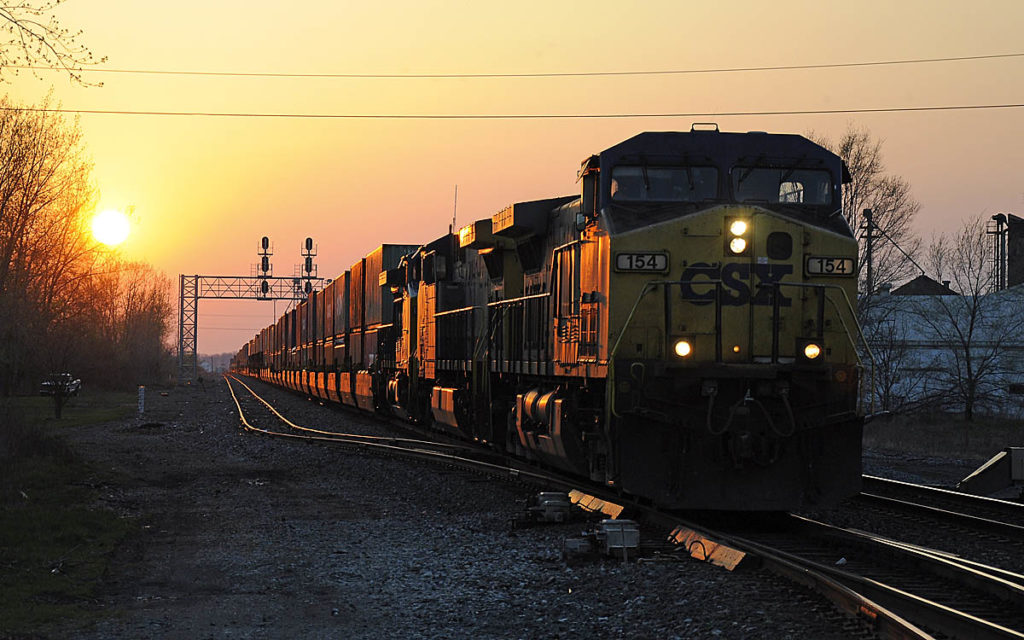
(781, 185)
(632, 183)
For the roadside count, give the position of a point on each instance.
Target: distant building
(215, 363)
(922, 285)
(921, 335)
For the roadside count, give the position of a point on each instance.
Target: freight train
(683, 329)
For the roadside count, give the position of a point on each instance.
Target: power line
(513, 116)
(554, 74)
(231, 315)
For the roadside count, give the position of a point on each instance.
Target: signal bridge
(263, 286)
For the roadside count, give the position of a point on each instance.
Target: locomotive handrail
(849, 307)
(450, 312)
(503, 307)
(856, 323)
(532, 296)
(652, 284)
(648, 286)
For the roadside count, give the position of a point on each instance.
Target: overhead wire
(513, 116)
(543, 74)
(527, 116)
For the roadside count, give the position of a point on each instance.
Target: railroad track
(872, 618)
(411, 446)
(986, 513)
(941, 592)
(973, 529)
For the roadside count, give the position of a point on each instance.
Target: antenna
(455, 208)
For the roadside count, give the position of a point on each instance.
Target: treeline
(66, 302)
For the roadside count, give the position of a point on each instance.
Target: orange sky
(206, 189)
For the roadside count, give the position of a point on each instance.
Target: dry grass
(944, 436)
(54, 546)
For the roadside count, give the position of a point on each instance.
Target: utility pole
(868, 226)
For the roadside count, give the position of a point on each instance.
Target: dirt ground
(239, 535)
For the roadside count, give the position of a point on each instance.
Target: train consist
(682, 329)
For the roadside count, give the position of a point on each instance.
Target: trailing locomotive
(682, 330)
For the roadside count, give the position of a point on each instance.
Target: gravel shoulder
(244, 536)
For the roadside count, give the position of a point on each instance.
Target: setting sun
(110, 227)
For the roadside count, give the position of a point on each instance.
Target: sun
(110, 227)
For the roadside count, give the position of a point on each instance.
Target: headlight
(736, 240)
(812, 351)
(683, 348)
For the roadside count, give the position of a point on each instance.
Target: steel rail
(1004, 586)
(905, 604)
(383, 445)
(1014, 510)
(880, 619)
(1006, 529)
(387, 439)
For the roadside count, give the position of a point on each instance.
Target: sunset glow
(212, 185)
(110, 227)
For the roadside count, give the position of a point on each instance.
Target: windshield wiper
(647, 180)
(792, 169)
(748, 170)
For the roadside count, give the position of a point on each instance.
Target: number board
(642, 261)
(828, 266)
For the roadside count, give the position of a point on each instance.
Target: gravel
(244, 536)
(919, 469)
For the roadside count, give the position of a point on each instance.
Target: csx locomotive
(683, 329)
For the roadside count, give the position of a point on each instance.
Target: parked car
(60, 383)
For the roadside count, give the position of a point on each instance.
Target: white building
(935, 349)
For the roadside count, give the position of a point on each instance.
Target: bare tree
(34, 37)
(972, 332)
(891, 202)
(65, 302)
(132, 315)
(45, 196)
(899, 381)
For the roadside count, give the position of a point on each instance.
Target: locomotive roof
(727, 148)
